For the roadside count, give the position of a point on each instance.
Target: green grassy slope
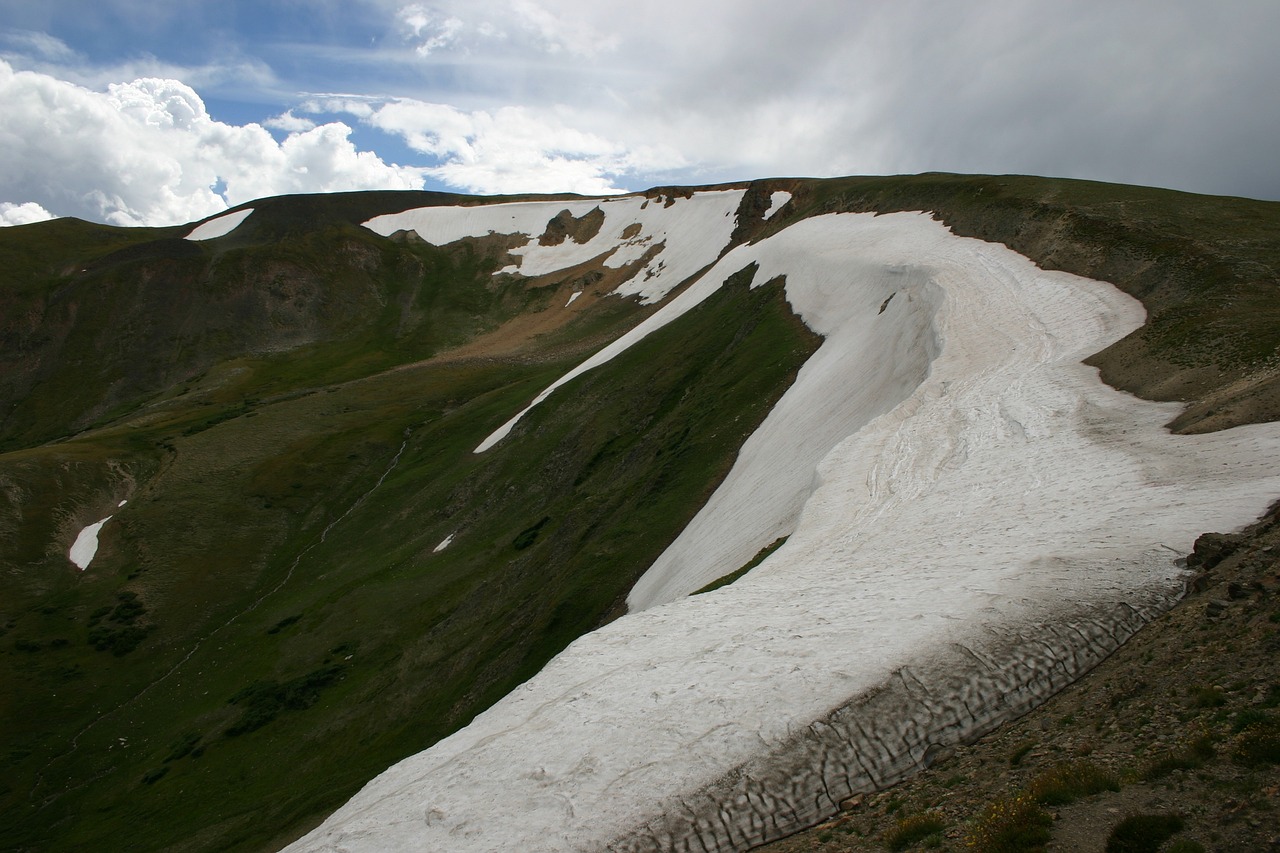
(267, 624)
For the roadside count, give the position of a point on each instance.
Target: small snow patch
(573, 296)
(86, 544)
(219, 226)
(444, 543)
(122, 503)
(777, 201)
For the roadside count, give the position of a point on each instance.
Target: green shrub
(1192, 756)
(153, 776)
(1011, 825)
(1185, 845)
(284, 623)
(1162, 767)
(1067, 782)
(121, 633)
(263, 701)
(183, 746)
(118, 640)
(1207, 697)
(914, 828)
(1143, 833)
(1258, 744)
(1020, 752)
(1251, 717)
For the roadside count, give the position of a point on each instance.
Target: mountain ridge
(273, 384)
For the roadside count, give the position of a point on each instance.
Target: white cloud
(158, 103)
(22, 214)
(289, 123)
(430, 28)
(559, 33)
(43, 45)
(520, 27)
(148, 153)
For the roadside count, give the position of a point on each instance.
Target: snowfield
(684, 234)
(974, 520)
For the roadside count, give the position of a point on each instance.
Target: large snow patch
(683, 234)
(985, 524)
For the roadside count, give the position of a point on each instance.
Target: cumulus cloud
(22, 214)
(147, 153)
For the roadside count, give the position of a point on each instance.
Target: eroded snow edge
(893, 731)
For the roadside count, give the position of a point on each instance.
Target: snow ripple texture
(994, 524)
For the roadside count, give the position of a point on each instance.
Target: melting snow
(219, 226)
(85, 548)
(976, 525)
(690, 233)
(776, 202)
(687, 300)
(573, 296)
(444, 543)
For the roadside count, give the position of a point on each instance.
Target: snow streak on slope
(997, 528)
(688, 234)
(219, 226)
(689, 299)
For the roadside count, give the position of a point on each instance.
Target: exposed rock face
(580, 229)
(1213, 548)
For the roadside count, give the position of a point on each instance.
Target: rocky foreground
(1170, 744)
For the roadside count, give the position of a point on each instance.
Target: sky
(160, 112)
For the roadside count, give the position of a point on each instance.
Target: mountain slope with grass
(315, 575)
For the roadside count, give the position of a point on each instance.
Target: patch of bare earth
(525, 336)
